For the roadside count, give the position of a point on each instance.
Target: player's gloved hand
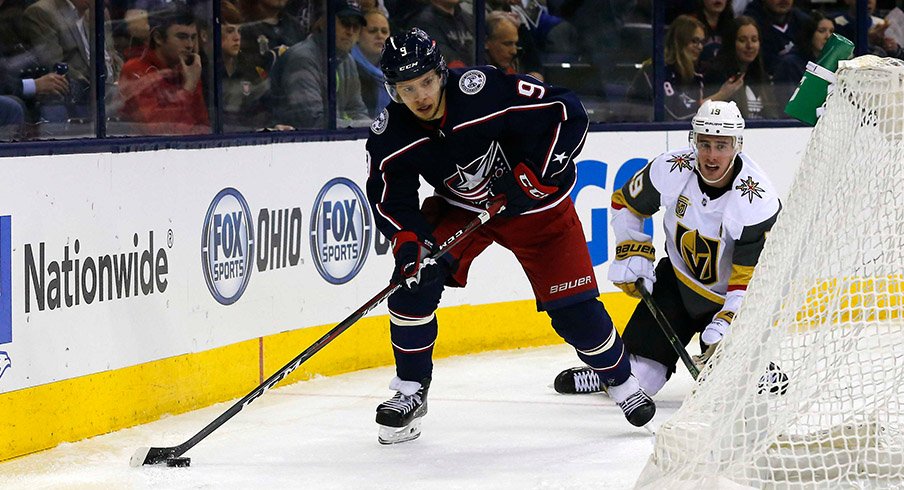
(714, 332)
(702, 359)
(522, 189)
(412, 265)
(633, 260)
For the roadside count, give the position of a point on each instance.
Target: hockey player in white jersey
(718, 207)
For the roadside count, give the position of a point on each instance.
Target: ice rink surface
(494, 421)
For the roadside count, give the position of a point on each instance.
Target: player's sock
(578, 380)
(400, 416)
(637, 406)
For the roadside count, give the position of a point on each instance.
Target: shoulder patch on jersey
(380, 123)
(472, 81)
(681, 162)
(749, 188)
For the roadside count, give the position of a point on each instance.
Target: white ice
(494, 422)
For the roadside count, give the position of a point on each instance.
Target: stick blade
(151, 455)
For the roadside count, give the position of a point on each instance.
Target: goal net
(807, 390)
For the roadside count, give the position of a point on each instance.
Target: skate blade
(395, 435)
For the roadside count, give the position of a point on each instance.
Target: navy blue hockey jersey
(493, 121)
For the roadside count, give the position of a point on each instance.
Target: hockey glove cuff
(522, 189)
(633, 260)
(413, 266)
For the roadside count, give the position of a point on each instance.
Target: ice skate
(578, 380)
(637, 406)
(400, 416)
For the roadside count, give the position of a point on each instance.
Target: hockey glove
(522, 189)
(633, 260)
(413, 266)
(717, 328)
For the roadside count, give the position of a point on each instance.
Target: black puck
(178, 462)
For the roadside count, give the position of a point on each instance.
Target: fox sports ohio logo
(227, 246)
(340, 230)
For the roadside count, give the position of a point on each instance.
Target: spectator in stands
(781, 24)
(846, 23)
(27, 88)
(269, 30)
(131, 35)
(717, 17)
(740, 58)
(245, 91)
(683, 86)
(502, 44)
(61, 31)
(299, 82)
(450, 27)
(814, 35)
(878, 43)
(162, 88)
(539, 32)
(367, 56)
(529, 51)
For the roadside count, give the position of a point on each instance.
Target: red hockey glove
(413, 266)
(522, 189)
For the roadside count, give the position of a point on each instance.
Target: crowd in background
(159, 65)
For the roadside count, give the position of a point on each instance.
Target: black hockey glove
(522, 189)
(412, 265)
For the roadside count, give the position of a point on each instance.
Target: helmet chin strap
(442, 95)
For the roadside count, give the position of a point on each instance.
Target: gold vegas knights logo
(699, 252)
(681, 207)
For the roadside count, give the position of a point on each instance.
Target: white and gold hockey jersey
(713, 236)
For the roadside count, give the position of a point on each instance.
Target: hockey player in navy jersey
(718, 206)
(475, 135)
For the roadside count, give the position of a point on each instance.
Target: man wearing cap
(299, 80)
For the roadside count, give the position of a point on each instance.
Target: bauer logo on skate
(340, 230)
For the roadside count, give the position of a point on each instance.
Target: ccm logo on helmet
(558, 288)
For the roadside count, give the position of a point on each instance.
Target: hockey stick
(171, 455)
(667, 328)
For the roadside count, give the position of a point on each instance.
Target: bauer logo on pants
(340, 230)
(227, 246)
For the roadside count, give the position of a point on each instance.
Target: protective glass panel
(165, 84)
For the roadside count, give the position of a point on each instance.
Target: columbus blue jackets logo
(227, 246)
(681, 162)
(472, 181)
(380, 123)
(340, 230)
(472, 81)
(749, 188)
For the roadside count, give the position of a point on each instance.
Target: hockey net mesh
(826, 307)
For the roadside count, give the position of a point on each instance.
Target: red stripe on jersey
(496, 114)
(401, 151)
(737, 287)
